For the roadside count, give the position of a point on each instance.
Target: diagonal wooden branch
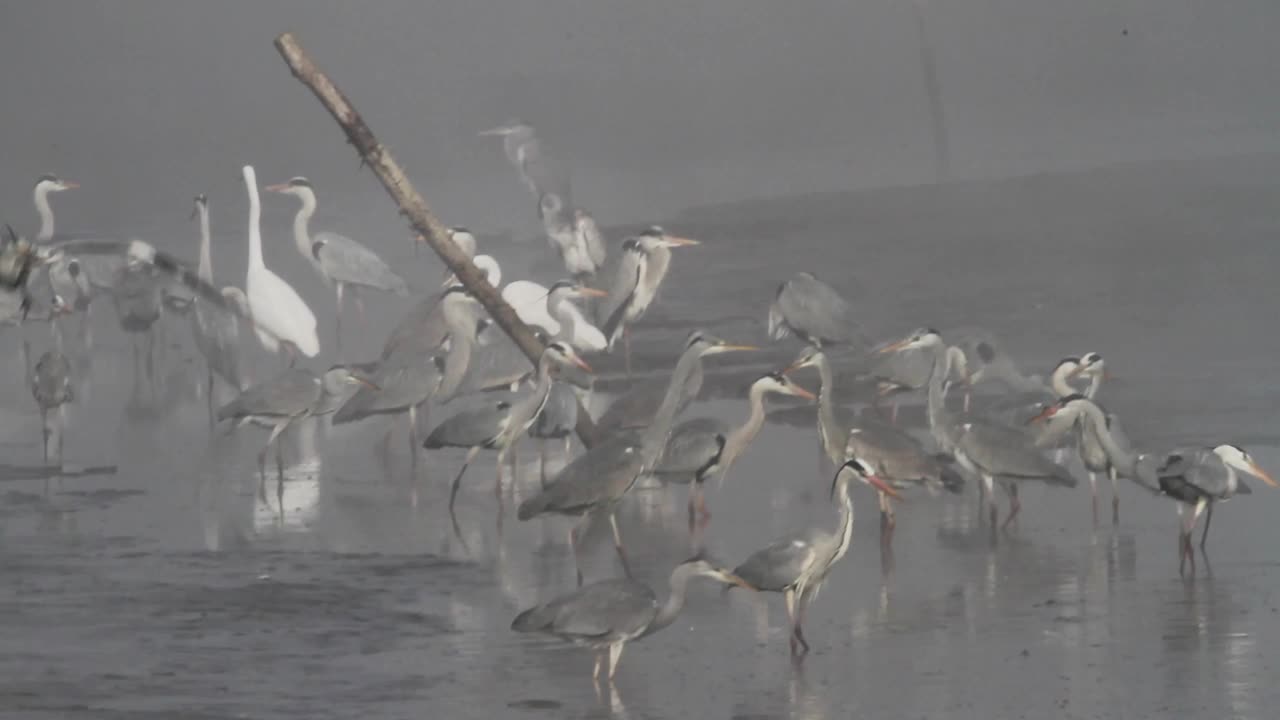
(412, 206)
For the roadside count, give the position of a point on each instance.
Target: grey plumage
(813, 311)
(638, 406)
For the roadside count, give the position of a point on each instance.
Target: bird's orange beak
(893, 347)
(802, 393)
(593, 292)
(582, 364)
(1263, 474)
(70, 184)
(677, 240)
(1044, 414)
(367, 383)
(884, 487)
(278, 187)
(737, 348)
(731, 579)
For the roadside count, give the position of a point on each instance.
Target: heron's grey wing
(285, 395)
(423, 327)
(780, 565)
(693, 444)
(895, 454)
(908, 369)
(559, 415)
(599, 611)
(638, 406)
(592, 238)
(625, 281)
(1010, 452)
(51, 379)
(471, 427)
(347, 261)
(402, 383)
(217, 337)
(498, 364)
(817, 312)
(1190, 474)
(600, 475)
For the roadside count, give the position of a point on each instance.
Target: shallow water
(168, 588)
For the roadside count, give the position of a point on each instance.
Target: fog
(656, 106)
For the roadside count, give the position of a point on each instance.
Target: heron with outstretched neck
(797, 564)
(596, 481)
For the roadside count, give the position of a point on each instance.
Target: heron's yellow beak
(358, 380)
(893, 347)
(592, 292)
(70, 184)
(278, 187)
(884, 487)
(802, 393)
(736, 348)
(581, 363)
(680, 241)
(1044, 414)
(1262, 475)
(729, 578)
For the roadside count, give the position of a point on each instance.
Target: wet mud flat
(165, 589)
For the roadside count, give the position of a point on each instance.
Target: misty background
(656, 106)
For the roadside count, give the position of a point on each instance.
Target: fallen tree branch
(412, 206)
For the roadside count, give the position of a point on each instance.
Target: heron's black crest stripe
(315, 249)
(1066, 360)
(986, 352)
(47, 178)
(299, 182)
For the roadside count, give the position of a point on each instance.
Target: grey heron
(702, 447)
(644, 264)
(538, 169)
(280, 315)
(639, 405)
(557, 421)
(606, 615)
(137, 301)
(596, 481)
(574, 235)
(990, 449)
(1101, 443)
(797, 564)
(338, 259)
(908, 371)
(295, 394)
(1196, 478)
(813, 311)
(216, 333)
(499, 425)
(413, 371)
(51, 387)
(894, 454)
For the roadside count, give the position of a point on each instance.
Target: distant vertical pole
(937, 115)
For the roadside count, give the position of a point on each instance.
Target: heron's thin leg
(212, 416)
(1093, 491)
(790, 597)
(626, 344)
(615, 654)
(801, 603)
(413, 442)
(617, 543)
(280, 479)
(573, 549)
(595, 675)
(1014, 504)
(453, 491)
(568, 448)
(359, 305)
(989, 490)
(1208, 518)
(44, 433)
(1115, 497)
(338, 318)
(893, 412)
(542, 462)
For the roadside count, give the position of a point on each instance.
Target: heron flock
(446, 363)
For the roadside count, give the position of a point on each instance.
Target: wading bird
(338, 259)
(645, 261)
(813, 311)
(574, 235)
(1196, 478)
(989, 449)
(51, 388)
(538, 169)
(701, 447)
(797, 564)
(552, 310)
(1102, 445)
(280, 316)
(216, 333)
(499, 425)
(596, 481)
(605, 615)
(280, 402)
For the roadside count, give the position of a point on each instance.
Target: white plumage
(279, 314)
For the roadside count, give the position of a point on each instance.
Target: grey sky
(658, 104)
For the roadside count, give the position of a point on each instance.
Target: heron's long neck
(255, 229)
(1058, 381)
(46, 214)
(655, 436)
(1095, 384)
(656, 267)
(844, 533)
(461, 345)
(301, 223)
(529, 407)
(1123, 459)
(205, 270)
(742, 435)
(939, 418)
(675, 602)
(568, 321)
(827, 424)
